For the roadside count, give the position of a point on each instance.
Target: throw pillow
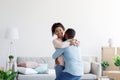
(86, 66)
(95, 67)
(42, 69)
(28, 64)
(24, 70)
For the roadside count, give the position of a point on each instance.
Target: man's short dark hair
(70, 33)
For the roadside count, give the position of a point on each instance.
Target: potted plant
(8, 75)
(117, 61)
(104, 65)
(11, 57)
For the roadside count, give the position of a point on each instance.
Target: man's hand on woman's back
(75, 42)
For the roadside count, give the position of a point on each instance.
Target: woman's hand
(74, 42)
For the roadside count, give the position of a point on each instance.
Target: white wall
(95, 21)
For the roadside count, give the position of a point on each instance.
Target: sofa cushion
(90, 58)
(36, 77)
(51, 71)
(86, 66)
(42, 69)
(28, 64)
(88, 77)
(39, 60)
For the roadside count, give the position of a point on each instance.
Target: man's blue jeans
(67, 76)
(58, 70)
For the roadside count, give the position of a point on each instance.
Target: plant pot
(11, 60)
(104, 68)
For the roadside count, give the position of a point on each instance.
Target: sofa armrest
(96, 68)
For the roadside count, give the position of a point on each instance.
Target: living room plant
(7, 75)
(117, 61)
(11, 57)
(104, 65)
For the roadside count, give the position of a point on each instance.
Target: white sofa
(92, 69)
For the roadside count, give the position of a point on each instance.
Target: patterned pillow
(28, 64)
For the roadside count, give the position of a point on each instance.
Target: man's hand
(74, 42)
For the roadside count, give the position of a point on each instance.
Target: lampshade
(12, 33)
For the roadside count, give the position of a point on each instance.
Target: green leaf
(8, 75)
(117, 60)
(105, 64)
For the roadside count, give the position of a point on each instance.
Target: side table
(112, 74)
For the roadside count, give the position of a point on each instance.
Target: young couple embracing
(67, 55)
